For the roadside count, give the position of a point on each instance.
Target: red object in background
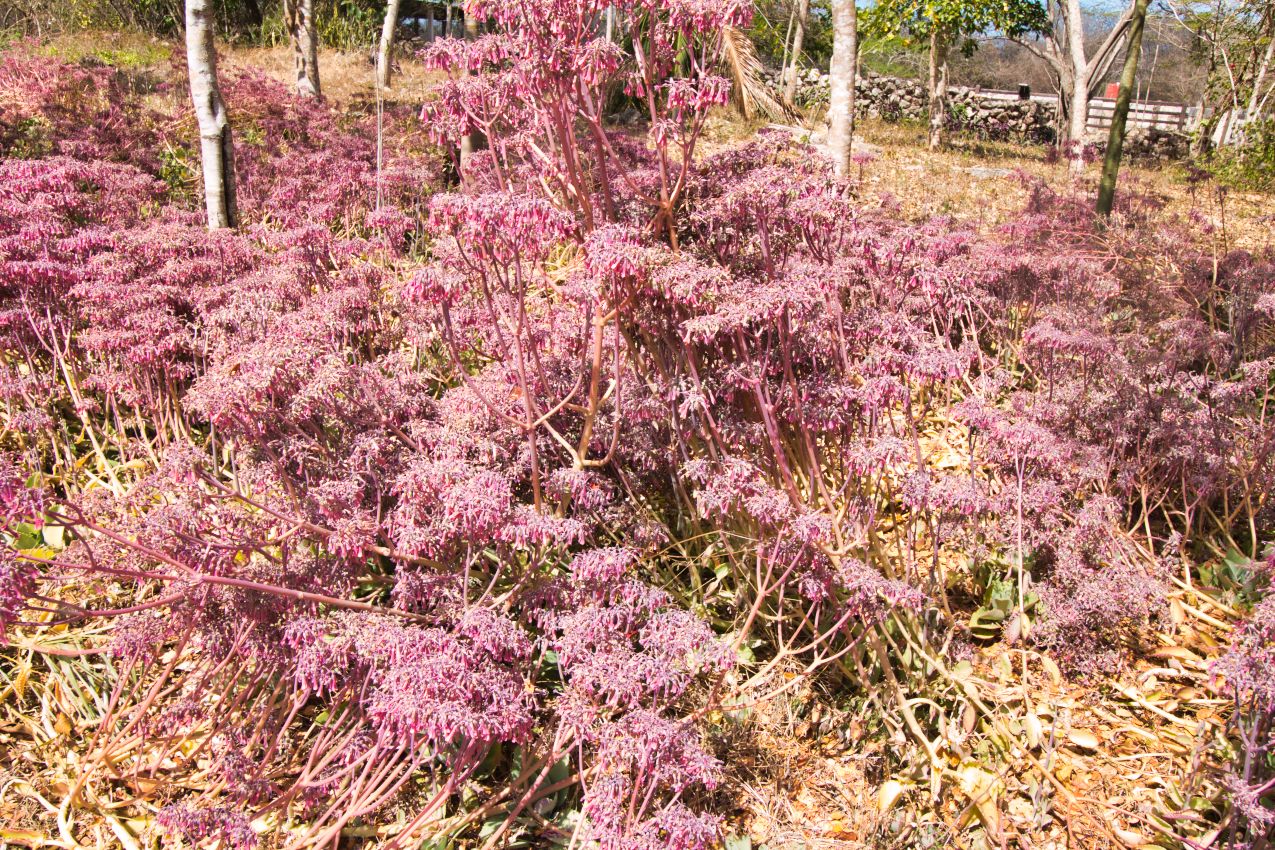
(1113, 89)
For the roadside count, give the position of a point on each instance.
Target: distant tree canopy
(769, 31)
(910, 23)
(340, 23)
(1232, 44)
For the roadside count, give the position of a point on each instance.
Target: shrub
(1246, 674)
(516, 483)
(1248, 165)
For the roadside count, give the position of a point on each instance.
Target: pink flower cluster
(513, 474)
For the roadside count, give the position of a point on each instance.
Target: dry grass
(979, 182)
(1051, 764)
(347, 77)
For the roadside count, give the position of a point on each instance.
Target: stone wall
(893, 98)
(1029, 121)
(1155, 144)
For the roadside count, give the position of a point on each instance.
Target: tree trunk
(1255, 98)
(794, 64)
(1078, 79)
(938, 87)
(1077, 120)
(299, 15)
(845, 51)
(385, 54)
(1060, 112)
(471, 142)
(1115, 140)
(1079, 105)
(216, 150)
(783, 63)
(1202, 141)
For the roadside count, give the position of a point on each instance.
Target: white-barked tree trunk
(385, 52)
(216, 150)
(794, 64)
(845, 34)
(299, 15)
(937, 85)
(1079, 108)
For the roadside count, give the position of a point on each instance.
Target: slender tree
(299, 15)
(1234, 48)
(800, 13)
(1079, 74)
(940, 42)
(1256, 97)
(843, 70)
(792, 17)
(1083, 74)
(1119, 120)
(216, 149)
(384, 53)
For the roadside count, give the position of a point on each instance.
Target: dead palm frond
(750, 92)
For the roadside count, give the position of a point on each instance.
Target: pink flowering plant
(480, 511)
(537, 89)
